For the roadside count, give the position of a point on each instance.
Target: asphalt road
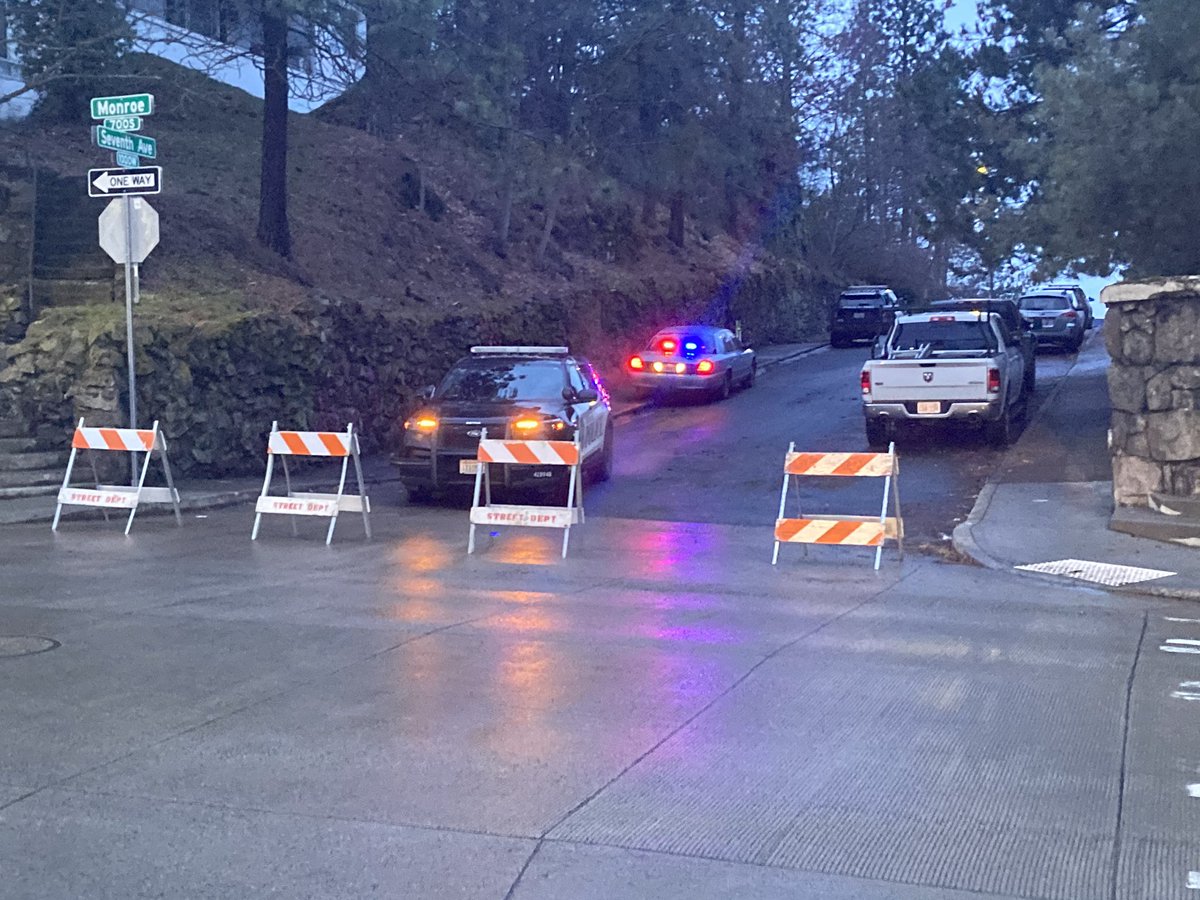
(661, 715)
(722, 463)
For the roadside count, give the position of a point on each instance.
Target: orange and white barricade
(334, 444)
(527, 453)
(854, 531)
(121, 440)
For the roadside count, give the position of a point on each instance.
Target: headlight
(529, 427)
(419, 430)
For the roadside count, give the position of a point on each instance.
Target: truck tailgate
(897, 380)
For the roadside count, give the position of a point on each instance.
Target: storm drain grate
(24, 645)
(1097, 572)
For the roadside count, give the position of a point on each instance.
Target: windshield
(488, 381)
(944, 336)
(1044, 303)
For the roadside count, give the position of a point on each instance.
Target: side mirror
(427, 392)
(587, 395)
(879, 347)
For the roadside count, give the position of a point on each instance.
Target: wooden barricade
(120, 440)
(842, 530)
(527, 453)
(333, 444)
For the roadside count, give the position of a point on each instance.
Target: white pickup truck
(945, 366)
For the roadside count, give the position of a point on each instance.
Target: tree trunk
(737, 88)
(551, 214)
(273, 231)
(675, 229)
(504, 214)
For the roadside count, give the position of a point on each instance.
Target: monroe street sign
(107, 139)
(129, 105)
(117, 182)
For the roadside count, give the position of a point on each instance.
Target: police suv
(515, 393)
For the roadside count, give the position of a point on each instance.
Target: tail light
(993, 381)
(1070, 314)
(705, 367)
(636, 363)
(864, 381)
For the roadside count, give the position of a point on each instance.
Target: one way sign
(119, 182)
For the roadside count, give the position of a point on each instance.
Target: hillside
(356, 232)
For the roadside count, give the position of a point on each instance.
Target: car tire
(1031, 378)
(838, 343)
(1077, 343)
(605, 466)
(750, 379)
(999, 432)
(726, 387)
(877, 436)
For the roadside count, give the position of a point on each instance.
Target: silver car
(1053, 318)
(693, 358)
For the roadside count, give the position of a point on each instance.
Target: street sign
(123, 242)
(127, 160)
(107, 139)
(124, 123)
(128, 105)
(119, 182)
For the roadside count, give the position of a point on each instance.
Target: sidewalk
(1060, 525)
(197, 495)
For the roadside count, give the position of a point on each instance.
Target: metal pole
(129, 325)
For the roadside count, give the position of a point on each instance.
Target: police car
(516, 393)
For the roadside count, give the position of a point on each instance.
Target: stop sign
(115, 232)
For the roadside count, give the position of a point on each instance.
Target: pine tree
(69, 51)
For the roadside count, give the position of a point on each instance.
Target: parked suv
(1079, 301)
(517, 393)
(1053, 317)
(863, 313)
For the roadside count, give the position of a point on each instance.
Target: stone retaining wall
(1152, 330)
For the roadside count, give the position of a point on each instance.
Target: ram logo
(928, 376)
(474, 432)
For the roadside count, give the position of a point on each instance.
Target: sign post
(128, 225)
(128, 232)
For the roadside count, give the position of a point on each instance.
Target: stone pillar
(1152, 330)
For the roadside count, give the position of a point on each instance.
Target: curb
(963, 540)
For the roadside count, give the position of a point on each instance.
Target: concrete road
(662, 715)
(723, 462)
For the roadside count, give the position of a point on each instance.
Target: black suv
(517, 393)
(863, 313)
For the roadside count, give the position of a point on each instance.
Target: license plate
(928, 407)
(468, 466)
(860, 315)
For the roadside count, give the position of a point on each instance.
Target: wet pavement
(662, 714)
